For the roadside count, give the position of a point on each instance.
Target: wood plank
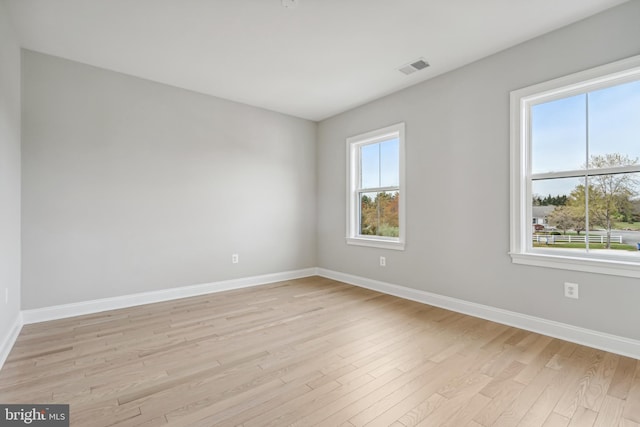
(611, 412)
(526, 399)
(632, 406)
(583, 418)
(422, 411)
(556, 420)
(623, 377)
(574, 397)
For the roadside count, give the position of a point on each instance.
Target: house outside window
(375, 193)
(575, 171)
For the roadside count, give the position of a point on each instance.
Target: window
(575, 167)
(375, 196)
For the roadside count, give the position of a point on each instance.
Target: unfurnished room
(319, 213)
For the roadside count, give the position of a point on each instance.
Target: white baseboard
(10, 339)
(104, 304)
(600, 340)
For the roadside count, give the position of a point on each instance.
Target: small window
(376, 188)
(576, 169)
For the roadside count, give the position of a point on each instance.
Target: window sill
(376, 243)
(565, 261)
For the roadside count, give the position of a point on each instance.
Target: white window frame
(521, 247)
(353, 187)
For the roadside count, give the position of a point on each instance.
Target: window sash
(579, 173)
(376, 189)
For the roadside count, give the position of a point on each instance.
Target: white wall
(457, 150)
(9, 178)
(132, 186)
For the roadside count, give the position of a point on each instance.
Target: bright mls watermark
(34, 415)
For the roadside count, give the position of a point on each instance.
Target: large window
(375, 194)
(576, 171)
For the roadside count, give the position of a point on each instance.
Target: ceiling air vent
(418, 65)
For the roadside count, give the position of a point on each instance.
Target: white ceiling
(313, 61)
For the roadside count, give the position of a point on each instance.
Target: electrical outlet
(235, 259)
(571, 290)
(383, 261)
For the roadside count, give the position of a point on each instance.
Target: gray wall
(9, 175)
(132, 186)
(457, 149)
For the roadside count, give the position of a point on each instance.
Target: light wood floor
(313, 352)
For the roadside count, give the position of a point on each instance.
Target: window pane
(370, 166)
(390, 163)
(614, 203)
(368, 214)
(614, 125)
(559, 213)
(379, 214)
(389, 224)
(558, 135)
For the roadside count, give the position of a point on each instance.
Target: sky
(380, 164)
(559, 132)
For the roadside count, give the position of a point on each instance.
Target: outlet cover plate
(571, 290)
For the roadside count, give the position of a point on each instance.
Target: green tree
(559, 200)
(611, 193)
(379, 216)
(563, 217)
(368, 216)
(635, 210)
(626, 210)
(576, 207)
